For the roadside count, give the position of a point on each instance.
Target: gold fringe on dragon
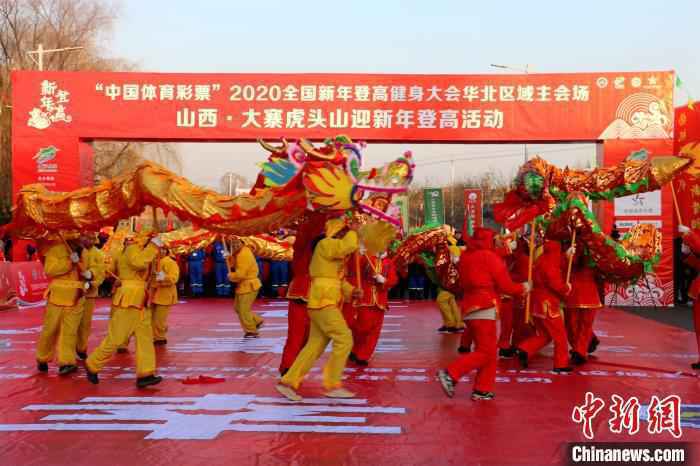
(297, 180)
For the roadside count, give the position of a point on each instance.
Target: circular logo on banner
(602, 82)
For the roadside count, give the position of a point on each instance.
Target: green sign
(433, 206)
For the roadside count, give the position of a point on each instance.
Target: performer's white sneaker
(340, 393)
(288, 392)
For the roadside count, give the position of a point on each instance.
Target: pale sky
(406, 36)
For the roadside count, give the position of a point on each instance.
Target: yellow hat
(333, 226)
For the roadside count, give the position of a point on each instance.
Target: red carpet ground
(401, 415)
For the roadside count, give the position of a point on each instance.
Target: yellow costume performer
(245, 276)
(64, 307)
(447, 303)
(92, 263)
(130, 315)
(326, 295)
(164, 295)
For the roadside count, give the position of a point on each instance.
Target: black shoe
(448, 384)
(522, 357)
(506, 353)
(160, 342)
(563, 370)
(443, 329)
(250, 335)
(482, 396)
(259, 324)
(593, 345)
(352, 357)
(67, 369)
(361, 362)
(695, 365)
(149, 380)
(122, 350)
(42, 366)
(82, 355)
(463, 350)
(577, 358)
(456, 329)
(92, 377)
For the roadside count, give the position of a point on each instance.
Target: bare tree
(230, 182)
(24, 24)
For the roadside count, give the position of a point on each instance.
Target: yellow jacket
(165, 292)
(93, 260)
(245, 274)
(65, 286)
(133, 269)
(327, 271)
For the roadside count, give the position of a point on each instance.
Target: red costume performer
(692, 240)
(378, 277)
(581, 306)
(548, 289)
(297, 315)
(483, 278)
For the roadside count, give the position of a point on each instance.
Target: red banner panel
(29, 282)
(53, 110)
(687, 141)
(8, 297)
(655, 289)
(473, 207)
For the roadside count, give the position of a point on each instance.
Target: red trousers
(546, 330)
(696, 320)
(467, 338)
(579, 328)
(484, 358)
(365, 332)
(297, 333)
(350, 314)
(506, 313)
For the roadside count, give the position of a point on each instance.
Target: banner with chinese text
(653, 289)
(433, 206)
(473, 208)
(8, 297)
(54, 111)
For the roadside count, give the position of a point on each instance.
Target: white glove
(74, 257)
(685, 249)
(379, 278)
(87, 275)
(156, 240)
(527, 286)
(571, 251)
(512, 245)
(682, 229)
(86, 286)
(160, 276)
(455, 259)
(225, 254)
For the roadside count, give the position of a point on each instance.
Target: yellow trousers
(326, 324)
(60, 326)
(451, 314)
(160, 321)
(243, 305)
(124, 322)
(85, 325)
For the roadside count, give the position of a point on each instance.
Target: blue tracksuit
(196, 267)
(223, 285)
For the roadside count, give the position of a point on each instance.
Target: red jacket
(483, 274)
(692, 239)
(549, 286)
(373, 293)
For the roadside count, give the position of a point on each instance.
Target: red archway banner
(54, 111)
